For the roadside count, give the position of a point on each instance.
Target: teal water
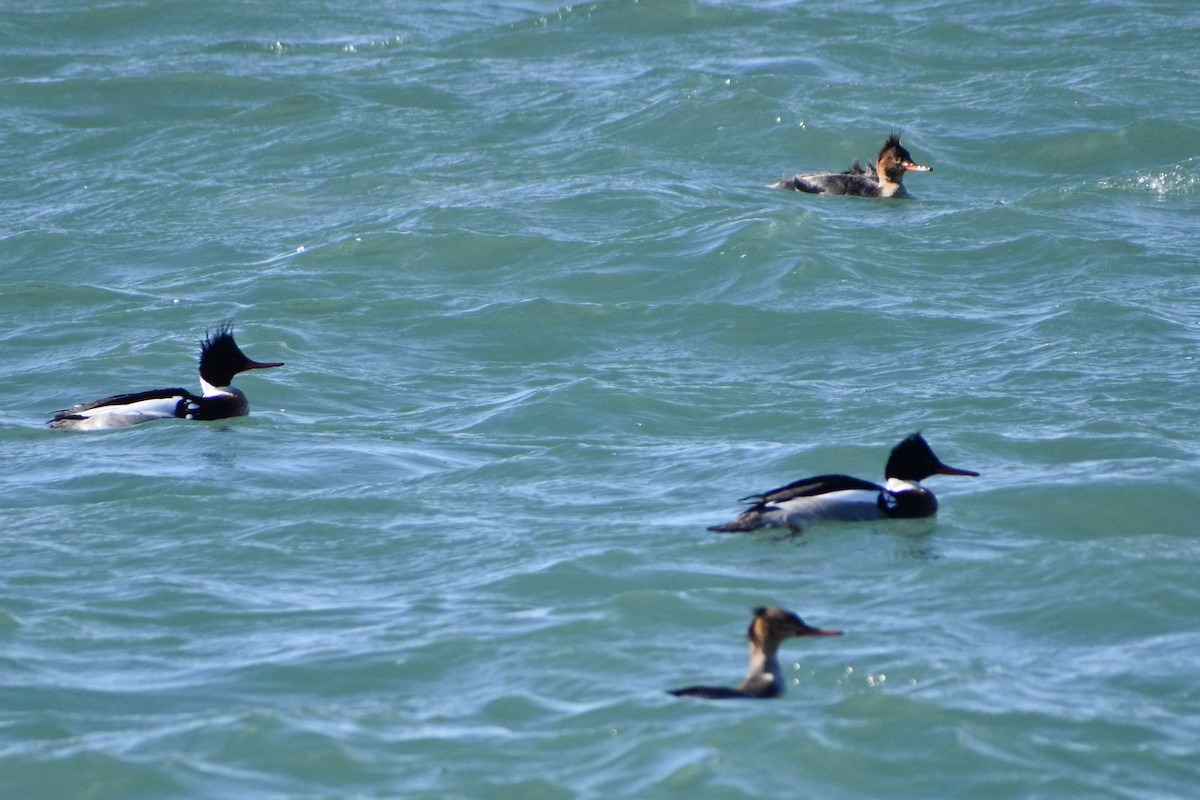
(544, 322)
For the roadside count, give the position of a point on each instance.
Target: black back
(813, 487)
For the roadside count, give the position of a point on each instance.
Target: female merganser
(220, 360)
(841, 497)
(889, 168)
(767, 632)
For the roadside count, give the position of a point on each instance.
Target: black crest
(220, 356)
(893, 143)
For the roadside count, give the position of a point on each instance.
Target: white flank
(851, 505)
(125, 415)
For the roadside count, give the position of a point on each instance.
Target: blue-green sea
(543, 322)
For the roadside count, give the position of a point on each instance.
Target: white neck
(764, 673)
(208, 390)
(887, 188)
(897, 485)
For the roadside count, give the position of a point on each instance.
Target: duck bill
(918, 168)
(262, 365)
(810, 631)
(946, 470)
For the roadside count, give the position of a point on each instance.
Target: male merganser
(841, 497)
(889, 168)
(220, 360)
(767, 632)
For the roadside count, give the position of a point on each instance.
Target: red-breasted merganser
(841, 497)
(220, 360)
(769, 628)
(886, 181)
